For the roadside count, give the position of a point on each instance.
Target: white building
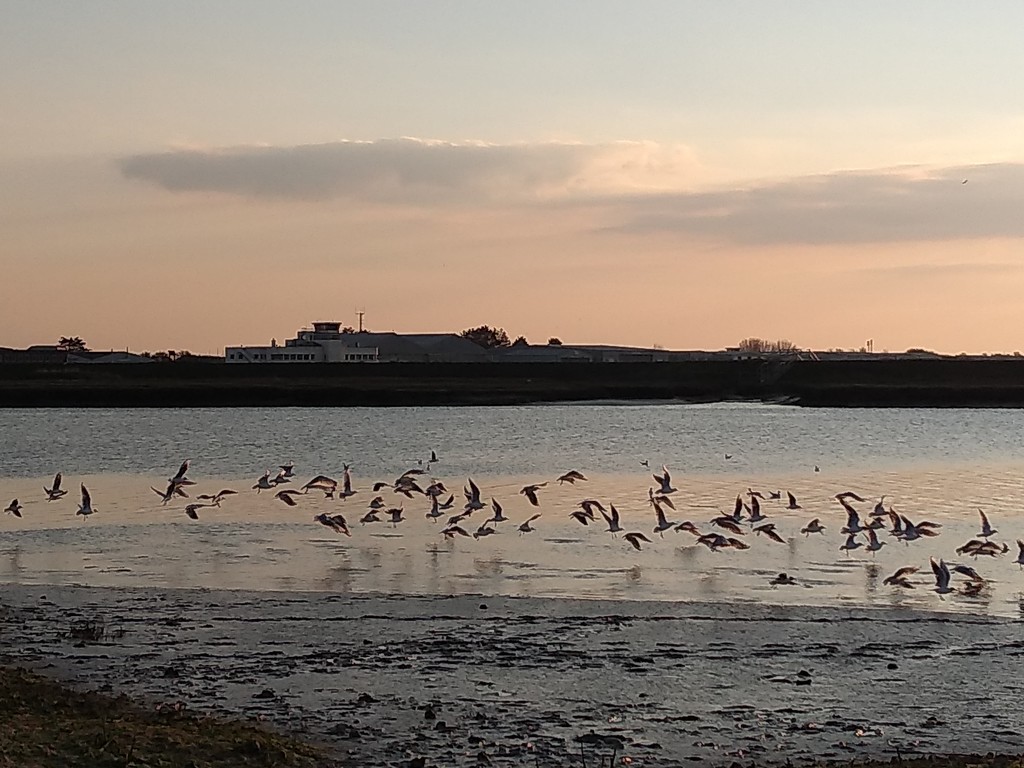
(323, 343)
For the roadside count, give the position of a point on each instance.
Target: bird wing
(86, 498)
(182, 469)
(984, 520)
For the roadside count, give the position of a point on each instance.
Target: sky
(675, 173)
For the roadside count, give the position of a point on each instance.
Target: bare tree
(754, 344)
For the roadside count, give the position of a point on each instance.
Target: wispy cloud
(890, 205)
(416, 170)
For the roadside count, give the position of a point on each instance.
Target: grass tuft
(45, 724)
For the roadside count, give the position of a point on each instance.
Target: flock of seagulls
(747, 522)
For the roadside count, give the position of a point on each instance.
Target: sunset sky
(189, 175)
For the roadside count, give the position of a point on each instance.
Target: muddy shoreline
(518, 681)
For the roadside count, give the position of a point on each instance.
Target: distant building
(323, 343)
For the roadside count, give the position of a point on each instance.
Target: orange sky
(127, 263)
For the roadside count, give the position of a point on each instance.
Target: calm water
(939, 464)
(508, 441)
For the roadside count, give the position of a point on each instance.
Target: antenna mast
(359, 314)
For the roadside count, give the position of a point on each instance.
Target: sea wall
(876, 382)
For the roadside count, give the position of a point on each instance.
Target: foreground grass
(44, 723)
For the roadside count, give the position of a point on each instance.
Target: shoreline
(988, 383)
(394, 680)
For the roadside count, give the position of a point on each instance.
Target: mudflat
(476, 680)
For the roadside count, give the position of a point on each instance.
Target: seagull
(377, 502)
(792, 501)
(986, 529)
(899, 579)
(873, 543)
(571, 477)
(581, 516)
(334, 522)
(526, 527)
(879, 510)
(85, 507)
(407, 486)
(612, 519)
(472, 495)
(346, 484)
(192, 510)
(755, 494)
(288, 497)
(849, 495)
(54, 493)
(851, 544)
(689, 527)
(320, 483)
(755, 511)
(263, 484)
(659, 499)
(14, 508)
(970, 573)
(768, 529)
(737, 510)
(783, 579)
(179, 478)
(498, 516)
(774, 495)
(912, 532)
(447, 504)
(1020, 554)
(483, 530)
(216, 498)
(663, 524)
(635, 538)
(665, 480)
(435, 510)
(454, 530)
(172, 491)
(724, 521)
(645, 463)
(287, 470)
(369, 517)
(814, 526)
(396, 516)
(941, 571)
(853, 525)
(530, 492)
(433, 457)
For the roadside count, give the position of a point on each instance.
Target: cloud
(891, 205)
(416, 170)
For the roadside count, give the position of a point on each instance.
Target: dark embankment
(890, 382)
(212, 384)
(854, 383)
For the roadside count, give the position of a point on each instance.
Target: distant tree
(554, 341)
(520, 342)
(754, 344)
(71, 344)
(348, 329)
(487, 337)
